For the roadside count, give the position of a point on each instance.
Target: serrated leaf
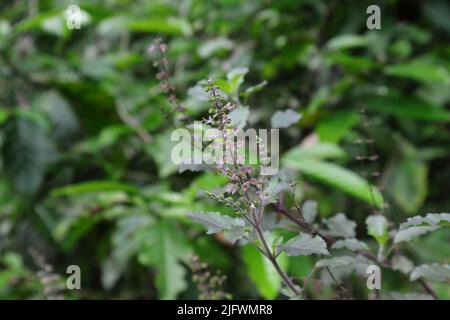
(198, 92)
(377, 227)
(239, 117)
(309, 210)
(402, 264)
(274, 188)
(215, 222)
(164, 246)
(284, 119)
(335, 262)
(338, 177)
(431, 219)
(350, 244)
(346, 264)
(305, 245)
(434, 272)
(340, 226)
(412, 232)
(125, 244)
(235, 233)
(417, 226)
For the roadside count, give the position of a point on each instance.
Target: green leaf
(55, 25)
(300, 266)
(346, 41)
(26, 153)
(420, 70)
(434, 272)
(4, 114)
(350, 244)
(12, 260)
(319, 151)
(377, 227)
(402, 264)
(93, 187)
(412, 232)
(254, 89)
(262, 273)
(284, 119)
(198, 92)
(346, 264)
(239, 117)
(211, 47)
(125, 244)
(336, 126)
(223, 85)
(60, 113)
(335, 262)
(70, 230)
(5, 32)
(408, 108)
(33, 22)
(172, 26)
(7, 277)
(164, 247)
(305, 245)
(107, 137)
(431, 219)
(340, 226)
(235, 78)
(437, 13)
(112, 27)
(215, 222)
(274, 188)
(161, 151)
(235, 233)
(309, 210)
(409, 184)
(338, 177)
(417, 226)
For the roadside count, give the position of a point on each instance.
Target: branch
(134, 124)
(428, 289)
(21, 74)
(330, 240)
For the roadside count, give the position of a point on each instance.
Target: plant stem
(428, 289)
(274, 262)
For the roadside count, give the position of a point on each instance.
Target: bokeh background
(85, 171)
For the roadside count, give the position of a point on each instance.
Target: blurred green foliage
(86, 176)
